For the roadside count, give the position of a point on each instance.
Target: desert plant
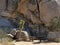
(5, 39)
(55, 24)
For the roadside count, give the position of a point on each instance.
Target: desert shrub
(55, 24)
(55, 27)
(57, 39)
(5, 39)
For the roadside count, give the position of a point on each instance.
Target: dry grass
(5, 39)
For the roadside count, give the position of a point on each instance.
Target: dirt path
(30, 43)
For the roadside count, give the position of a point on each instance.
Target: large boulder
(48, 10)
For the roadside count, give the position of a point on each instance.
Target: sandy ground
(30, 43)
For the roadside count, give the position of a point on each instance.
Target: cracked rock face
(2, 5)
(48, 9)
